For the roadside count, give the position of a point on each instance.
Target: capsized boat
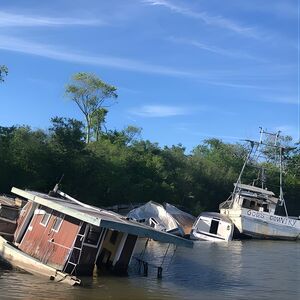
(252, 209)
(62, 238)
(169, 218)
(212, 226)
(183, 219)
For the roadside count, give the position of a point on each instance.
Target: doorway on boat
(85, 250)
(214, 226)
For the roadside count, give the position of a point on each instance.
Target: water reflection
(237, 270)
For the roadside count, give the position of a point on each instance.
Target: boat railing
(226, 204)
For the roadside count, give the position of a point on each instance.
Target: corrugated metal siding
(47, 245)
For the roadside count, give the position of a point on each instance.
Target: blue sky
(185, 70)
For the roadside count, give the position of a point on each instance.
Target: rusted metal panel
(47, 245)
(14, 256)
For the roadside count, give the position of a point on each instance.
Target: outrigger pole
(243, 168)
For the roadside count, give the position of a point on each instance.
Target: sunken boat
(62, 238)
(167, 218)
(213, 227)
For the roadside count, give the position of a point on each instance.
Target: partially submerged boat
(183, 219)
(168, 219)
(62, 238)
(213, 227)
(253, 209)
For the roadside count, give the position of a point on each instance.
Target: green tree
(3, 72)
(90, 94)
(132, 133)
(97, 121)
(66, 134)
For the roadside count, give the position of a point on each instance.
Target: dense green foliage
(122, 168)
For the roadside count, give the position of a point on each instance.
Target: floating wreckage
(169, 219)
(62, 238)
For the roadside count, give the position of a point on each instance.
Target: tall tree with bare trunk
(90, 94)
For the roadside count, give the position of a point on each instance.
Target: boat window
(153, 222)
(214, 227)
(113, 237)
(45, 219)
(246, 203)
(57, 223)
(93, 235)
(266, 208)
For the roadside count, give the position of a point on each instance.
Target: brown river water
(237, 270)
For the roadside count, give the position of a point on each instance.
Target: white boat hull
(263, 225)
(204, 236)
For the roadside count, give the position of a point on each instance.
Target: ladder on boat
(75, 254)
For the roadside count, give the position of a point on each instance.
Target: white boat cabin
(254, 198)
(211, 226)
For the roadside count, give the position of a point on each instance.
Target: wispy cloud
(216, 50)
(21, 20)
(286, 99)
(159, 111)
(229, 78)
(64, 54)
(206, 18)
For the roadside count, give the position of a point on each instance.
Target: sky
(185, 71)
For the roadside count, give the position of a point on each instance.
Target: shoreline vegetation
(122, 169)
(107, 167)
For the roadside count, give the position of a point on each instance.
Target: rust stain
(43, 243)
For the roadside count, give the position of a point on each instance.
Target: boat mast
(281, 198)
(243, 168)
(281, 149)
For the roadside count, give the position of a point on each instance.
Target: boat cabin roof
(261, 195)
(99, 217)
(215, 215)
(255, 189)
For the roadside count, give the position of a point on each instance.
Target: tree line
(106, 167)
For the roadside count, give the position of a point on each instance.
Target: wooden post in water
(145, 265)
(159, 272)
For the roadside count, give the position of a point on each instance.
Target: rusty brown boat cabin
(73, 237)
